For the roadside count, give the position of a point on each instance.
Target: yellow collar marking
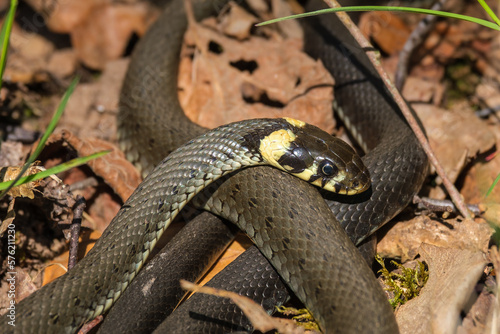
(273, 147)
(294, 122)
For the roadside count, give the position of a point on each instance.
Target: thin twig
(483, 113)
(75, 230)
(416, 38)
(374, 59)
(444, 205)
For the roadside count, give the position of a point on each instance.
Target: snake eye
(328, 169)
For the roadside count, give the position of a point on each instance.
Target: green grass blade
(55, 119)
(5, 36)
(489, 11)
(485, 23)
(54, 170)
(46, 135)
(497, 179)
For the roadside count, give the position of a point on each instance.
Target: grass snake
(351, 300)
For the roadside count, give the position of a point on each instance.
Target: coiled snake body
(342, 294)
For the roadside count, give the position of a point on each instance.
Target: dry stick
(75, 230)
(445, 206)
(416, 38)
(374, 59)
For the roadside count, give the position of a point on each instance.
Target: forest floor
(453, 85)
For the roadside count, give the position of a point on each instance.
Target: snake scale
(336, 285)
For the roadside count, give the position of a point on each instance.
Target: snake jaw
(342, 184)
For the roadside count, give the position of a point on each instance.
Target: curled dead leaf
(120, 174)
(23, 190)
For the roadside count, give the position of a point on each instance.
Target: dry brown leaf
(62, 63)
(103, 209)
(494, 314)
(386, 29)
(108, 87)
(460, 130)
(453, 276)
(405, 238)
(479, 180)
(24, 284)
(29, 56)
(91, 111)
(105, 33)
(26, 189)
(289, 28)
(238, 23)
(422, 90)
(259, 318)
(66, 16)
(120, 174)
(100, 30)
(243, 82)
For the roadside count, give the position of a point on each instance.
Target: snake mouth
(353, 187)
(358, 187)
(351, 181)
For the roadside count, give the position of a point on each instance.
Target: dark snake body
(335, 284)
(397, 163)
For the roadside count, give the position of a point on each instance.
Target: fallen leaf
(62, 63)
(23, 190)
(24, 284)
(405, 238)
(242, 82)
(28, 57)
(117, 171)
(66, 16)
(480, 178)
(238, 23)
(453, 274)
(458, 129)
(106, 31)
(386, 29)
(91, 111)
(100, 30)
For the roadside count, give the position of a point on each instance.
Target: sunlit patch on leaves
(405, 285)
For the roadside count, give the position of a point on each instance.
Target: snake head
(316, 157)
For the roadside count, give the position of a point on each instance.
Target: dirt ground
(453, 84)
